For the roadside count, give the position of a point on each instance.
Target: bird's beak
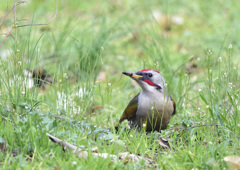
(132, 75)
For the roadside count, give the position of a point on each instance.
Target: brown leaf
(135, 36)
(95, 149)
(102, 76)
(97, 107)
(167, 21)
(134, 83)
(177, 20)
(134, 158)
(163, 19)
(57, 168)
(190, 153)
(164, 143)
(191, 68)
(233, 162)
(128, 157)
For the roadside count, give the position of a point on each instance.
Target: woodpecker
(152, 108)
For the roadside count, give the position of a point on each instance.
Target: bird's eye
(150, 75)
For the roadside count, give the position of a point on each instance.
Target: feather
(174, 106)
(130, 111)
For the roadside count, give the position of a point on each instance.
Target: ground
(61, 73)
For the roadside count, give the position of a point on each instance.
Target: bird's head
(148, 79)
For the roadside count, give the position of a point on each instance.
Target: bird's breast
(153, 103)
(154, 109)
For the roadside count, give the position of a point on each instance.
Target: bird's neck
(154, 90)
(158, 93)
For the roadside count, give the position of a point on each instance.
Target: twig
(4, 117)
(15, 15)
(14, 7)
(45, 23)
(76, 150)
(6, 36)
(14, 26)
(15, 4)
(6, 26)
(125, 156)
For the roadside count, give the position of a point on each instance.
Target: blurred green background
(61, 73)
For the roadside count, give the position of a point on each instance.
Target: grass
(199, 59)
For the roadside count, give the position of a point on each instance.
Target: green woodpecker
(152, 108)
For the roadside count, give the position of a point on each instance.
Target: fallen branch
(126, 156)
(76, 150)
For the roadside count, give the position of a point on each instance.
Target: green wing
(131, 109)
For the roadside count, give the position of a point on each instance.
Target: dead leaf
(128, 157)
(164, 143)
(135, 36)
(57, 168)
(102, 76)
(167, 21)
(233, 162)
(163, 19)
(97, 107)
(134, 83)
(191, 68)
(95, 149)
(178, 20)
(190, 153)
